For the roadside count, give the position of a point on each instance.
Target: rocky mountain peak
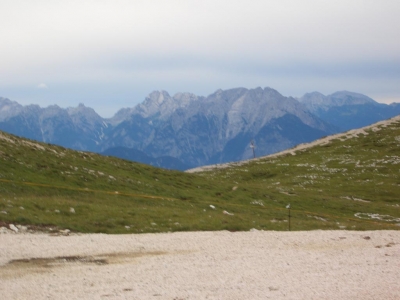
(317, 102)
(155, 102)
(81, 111)
(254, 108)
(270, 91)
(185, 99)
(157, 97)
(160, 103)
(195, 129)
(81, 108)
(8, 109)
(315, 97)
(53, 111)
(349, 98)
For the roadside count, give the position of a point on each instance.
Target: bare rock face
(318, 102)
(9, 109)
(218, 128)
(160, 103)
(346, 110)
(78, 128)
(185, 130)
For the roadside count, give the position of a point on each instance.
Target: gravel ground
(201, 265)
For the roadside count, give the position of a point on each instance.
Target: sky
(112, 54)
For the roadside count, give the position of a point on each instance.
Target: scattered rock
(367, 216)
(56, 211)
(3, 212)
(212, 206)
(4, 230)
(358, 199)
(227, 213)
(321, 219)
(128, 227)
(13, 228)
(65, 231)
(21, 207)
(234, 188)
(71, 210)
(22, 228)
(366, 237)
(257, 202)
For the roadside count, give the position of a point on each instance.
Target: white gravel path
(202, 265)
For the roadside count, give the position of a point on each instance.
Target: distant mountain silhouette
(185, 130)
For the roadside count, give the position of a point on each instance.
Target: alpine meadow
(346, 181)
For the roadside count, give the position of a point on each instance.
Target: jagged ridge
(198, 130)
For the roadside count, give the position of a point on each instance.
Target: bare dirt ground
(201, 265)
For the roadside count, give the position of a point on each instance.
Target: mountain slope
(350, 181)
(218, 128)
(78, 128)
(347, 110)
(166, 162)
(198, 130)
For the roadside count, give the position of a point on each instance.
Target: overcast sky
(112, 54)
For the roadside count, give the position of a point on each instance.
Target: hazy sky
(112, 54)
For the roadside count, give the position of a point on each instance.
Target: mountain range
(185, 130)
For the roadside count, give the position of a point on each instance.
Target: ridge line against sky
(112, 54)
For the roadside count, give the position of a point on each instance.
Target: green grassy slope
(350, 183)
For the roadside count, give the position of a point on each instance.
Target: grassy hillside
(352, 182)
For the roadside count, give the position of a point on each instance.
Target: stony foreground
(202, 265)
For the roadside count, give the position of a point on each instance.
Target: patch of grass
(326, 186)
